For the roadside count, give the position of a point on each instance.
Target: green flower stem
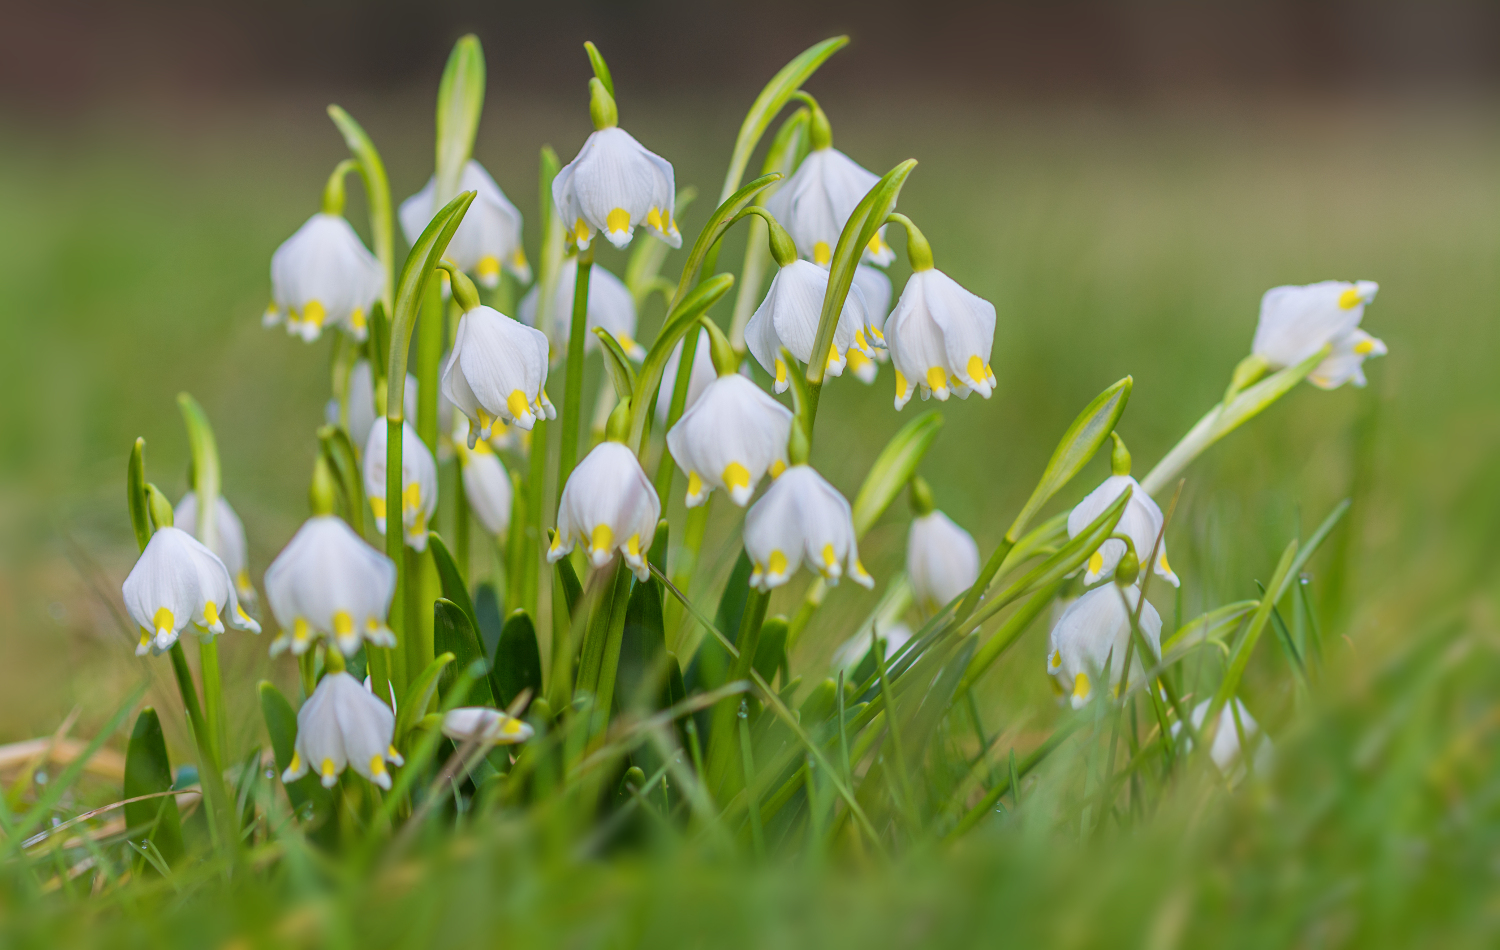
(395, 542)
(536, 531)
(377, 196)
(572, 413)
(189, 692)
(609, 665)
(460, 522)
(721, 733)
(686, 568)
(345, 352)
(429, 364)
(205, 453)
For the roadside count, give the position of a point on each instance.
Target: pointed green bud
(819, 132)
(159, 507)
(323, 491)
(921, 496)
(1119, 456)
(333, 192)
(333, 661)
(465, 294)
(918, 250)
(1250, 369)
(783, 248)
(725, 361)
(1129, 566)
(797, 445)
(618, 427)
(602, 106)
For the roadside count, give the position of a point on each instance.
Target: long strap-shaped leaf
(377, 196)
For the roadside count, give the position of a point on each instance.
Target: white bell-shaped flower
(703, 373)
(230, 546)
(815, 204)
(497, 371)
(615, 185)
(328, 582)
(875, 293)
(730, 439)
(178, 581)
(1094, 632)
(322, 276)
(788, 316)
(488, 238)
(486, 486)
(362, 409)
(485, 725)
(942, 560)
(802, 519)
(610, 506)
(1297, 321)
(1141, 522)
(611, 308)
(419, 482)
(940, 336)
(343, 725)
(1225, 750)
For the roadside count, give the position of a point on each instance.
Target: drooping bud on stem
(159, 508)
(726, 363)
(602, 109)
(797, 445)
(1119, 456)
(921, 496)
(333, 192)
(1129, 565)
(323, 490)
(918, 251)
(465, 294)
(819, 132)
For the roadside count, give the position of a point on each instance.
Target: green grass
(134, 266)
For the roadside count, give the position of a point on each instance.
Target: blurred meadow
(1114, 238)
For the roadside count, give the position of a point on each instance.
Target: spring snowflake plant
(577, 664)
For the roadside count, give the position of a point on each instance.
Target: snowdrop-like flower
(615, 185)
(362, 409)
(942, 560)
(1141, 521)
(419, 482)
(610, 505)
(788, 317)
(729, 439)
(1225, 750)
(497, 370)
(342, 725)
(611, 307)
(801, 518)
(815, 203)
(875, 294)
(703, 373)
(1095, 631)
(939, 337)
(1296, 322)
(486, 486)
(321, 276)
(488, 238)
(329, 582)
(178, 581)
(231, 547)
(489, 726)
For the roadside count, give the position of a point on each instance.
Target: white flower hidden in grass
(939, 337)
(702, 374)
(486, 486)
(611, 308)
(231, 546)
(1141, 521)
(802, 519)
(488, 238)
(730, 439)
(815, 204)
(1094, 632)
(942, 560)
(788, 316)
(1225, 750)
(615, 185)
(487, 726)
(610, 506)
(328, 582)
(323, 276)
(419, 482)
(178, 581)
(1296, 322)
(497, 371)
(342, 725)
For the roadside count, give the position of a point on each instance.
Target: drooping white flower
(178, 581)
(1225, 750)
(788, 316)
(497, 370)
(615, 185)
(942, 560)
(342, 725)
(486, 486)
(1141, 522)
(322, 275)
(852, 652)
(802, 519)
(815, 204)
(419, 482)
(230, 546)
(328, 582)
(875, 293)
(940, 336)
(1297, 321)
(611, 307)
(1095, 631)
(488, 238)
(611, 506)
(703, 373)
(362, 409)
(730, 439)
(488, 726)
